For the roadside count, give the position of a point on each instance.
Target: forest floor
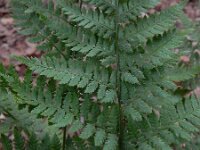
(12, 43)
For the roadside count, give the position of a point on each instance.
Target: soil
(12, 43)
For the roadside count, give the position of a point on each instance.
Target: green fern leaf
(91, 87)
(110, 96)
(128, 77)
(66, 120)
(111, 142)
(145, 146)
(88, 131)
(99, 137)
(7, 145)
(76, 126)
(55, 143)
(108, 74)
(19, 141)
(135, 115)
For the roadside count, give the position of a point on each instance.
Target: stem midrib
(118, 79)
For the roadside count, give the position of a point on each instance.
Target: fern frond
(107, 77)
(159, 51)
(32, 143)
(37, 98)
(65, 108)
(111, 142)
(106, 6)
(131, 10)
(183, 74)
(99, 137)
(31, 17)
(87, 76)
(24, 118)
(157, 24)
(87, 19)
(7, 145)
(176, 122)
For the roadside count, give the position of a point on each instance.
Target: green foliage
(191, 51)
(190, 61)
(21, 142)
(106, 80)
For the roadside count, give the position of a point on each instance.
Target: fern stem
(118, 79)
(81, 4)
(64, 138)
